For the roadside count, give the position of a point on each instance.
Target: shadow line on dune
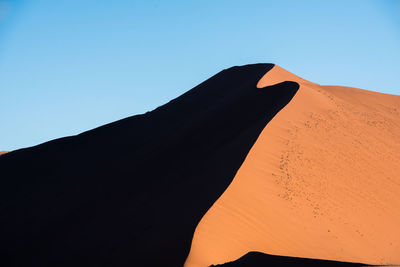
(258, 259)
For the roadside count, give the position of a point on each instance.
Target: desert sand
(321, 181)
(131, 193)
(3, 152)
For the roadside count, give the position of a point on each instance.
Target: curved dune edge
(261, 259)
(3, 152)
(320, 182)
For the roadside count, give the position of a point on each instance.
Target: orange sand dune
(3, 152)
(322, 181)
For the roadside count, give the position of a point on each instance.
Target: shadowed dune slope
(131, 193)
(322, 181)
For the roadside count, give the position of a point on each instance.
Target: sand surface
(3, 152)
(131, 192)
(322, 181)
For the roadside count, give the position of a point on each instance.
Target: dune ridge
(321, 182)
(3, 152)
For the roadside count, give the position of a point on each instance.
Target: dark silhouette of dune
(258, 259)
(131, 193)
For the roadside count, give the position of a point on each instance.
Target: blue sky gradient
(69, 66)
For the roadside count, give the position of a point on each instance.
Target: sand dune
(322, 181)
(253, 159)
(131, 193)
(3, 152)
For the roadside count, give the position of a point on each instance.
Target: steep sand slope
(3, 152)
(322, 181)
(131, 193)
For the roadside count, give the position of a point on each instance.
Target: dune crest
(322, 181)
(278, 75)
(3, 152)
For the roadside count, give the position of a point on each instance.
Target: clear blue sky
(69, 66)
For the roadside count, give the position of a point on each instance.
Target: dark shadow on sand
(131, 193)
(258, 259)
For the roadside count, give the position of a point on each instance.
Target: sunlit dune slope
(322, 181)
(3, 152)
